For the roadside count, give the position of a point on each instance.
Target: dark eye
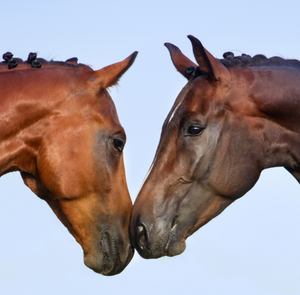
(118, 144)
(194, 130)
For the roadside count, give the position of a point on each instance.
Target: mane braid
(5, 65)
(259, 60)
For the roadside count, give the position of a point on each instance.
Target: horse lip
(172, 233)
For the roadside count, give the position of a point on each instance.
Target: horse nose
(142, 237)
(110, 254)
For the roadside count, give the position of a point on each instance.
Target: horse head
(206, 158)
(64, 136)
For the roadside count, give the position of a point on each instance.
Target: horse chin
(171, 249)
(107, 266)
(175, 248)
(108, 260)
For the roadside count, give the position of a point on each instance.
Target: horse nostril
(142, 236)
(174, 222)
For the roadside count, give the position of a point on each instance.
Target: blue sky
(252, 247)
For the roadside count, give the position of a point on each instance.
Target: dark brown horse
(60, 129)
(234, 118)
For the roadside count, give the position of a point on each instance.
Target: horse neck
(25, 100)
(271, 105)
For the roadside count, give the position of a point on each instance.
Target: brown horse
(60, 129)
(234, 118)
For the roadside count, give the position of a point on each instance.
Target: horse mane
(32, 61)
(245, 60)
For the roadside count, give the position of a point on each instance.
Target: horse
(235, 117)
(60, 129)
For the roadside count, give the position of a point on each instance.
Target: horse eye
(118, 144)
(194, 130)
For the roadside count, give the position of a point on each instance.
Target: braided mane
(32, 61)
(245, 60)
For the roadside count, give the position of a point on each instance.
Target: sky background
(252, 247)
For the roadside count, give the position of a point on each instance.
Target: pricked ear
(180, 61)
(208, 64)
(109, 76)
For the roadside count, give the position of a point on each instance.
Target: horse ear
(207, 63)
(180, 61)
(109, 76)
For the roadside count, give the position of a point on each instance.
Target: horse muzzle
(110, 256)
(162, 240)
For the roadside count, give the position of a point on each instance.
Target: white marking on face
(180, 98)
(174, 111)
(146, 176)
